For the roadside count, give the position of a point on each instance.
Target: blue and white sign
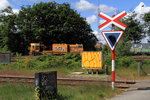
(112, 38)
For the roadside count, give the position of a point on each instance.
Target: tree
(146, 18)
(7, 28)
(50, 23)
(54, 23)
(134, 31)
(123, 47)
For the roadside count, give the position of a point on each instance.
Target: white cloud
(106, 9)
(91, 19)
(16, 11)
(84, 5)
(99, 36)
(102, 21)
(4, 4)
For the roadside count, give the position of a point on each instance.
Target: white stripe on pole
(113, 65)
(113, 74)
(113, 85)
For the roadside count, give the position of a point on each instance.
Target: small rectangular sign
(5, 58)
(92, 60)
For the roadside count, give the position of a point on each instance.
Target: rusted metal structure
(39, 48)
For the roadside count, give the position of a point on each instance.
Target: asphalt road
(139, 91)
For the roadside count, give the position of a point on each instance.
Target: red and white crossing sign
(112, 20)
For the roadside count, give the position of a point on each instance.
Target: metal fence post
(139, 68)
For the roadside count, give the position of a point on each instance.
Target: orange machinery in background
(39, 48)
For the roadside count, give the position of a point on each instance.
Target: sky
(88, 9)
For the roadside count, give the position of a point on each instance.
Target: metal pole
(113, 69)
(139, 68)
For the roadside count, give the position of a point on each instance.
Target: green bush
(125, 61)
(69, 61)
(45, 57)
(120, 62)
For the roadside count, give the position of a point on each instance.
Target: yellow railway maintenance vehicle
(39, 48)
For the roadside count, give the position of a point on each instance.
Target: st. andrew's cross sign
(112, 20)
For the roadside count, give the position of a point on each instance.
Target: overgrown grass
(16, 92)
(145, 66)
(87, 92)
(63, 63)
(126, 67)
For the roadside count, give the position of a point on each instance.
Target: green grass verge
(15, 91)
(88, 92)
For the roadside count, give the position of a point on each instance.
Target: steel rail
(67, 79)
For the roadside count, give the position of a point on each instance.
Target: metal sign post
(113, 69)
(112, 37)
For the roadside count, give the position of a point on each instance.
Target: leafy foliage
(69, 61)
(147, 17)
(123, 47)
(7, 28)
(134, 31)
(44, 22)
(132, 34)
(121, 61)
(147, 23)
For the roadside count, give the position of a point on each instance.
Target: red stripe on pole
(113, 76)
(113, 54)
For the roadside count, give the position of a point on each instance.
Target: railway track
(141, 58)
(65, 81)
